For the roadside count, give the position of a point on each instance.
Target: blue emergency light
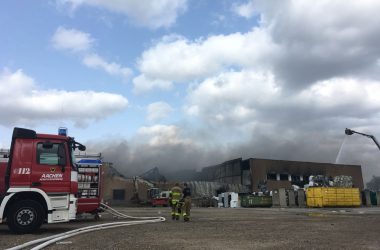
(62, 131)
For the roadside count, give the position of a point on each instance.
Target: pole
(351, 132)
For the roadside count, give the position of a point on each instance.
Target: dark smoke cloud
(136, 159)
(131, 159)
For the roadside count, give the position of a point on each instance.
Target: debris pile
(343, 181)
(319, 181)
(211, 189)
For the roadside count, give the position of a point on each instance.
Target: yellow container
(332, 197)
(356, 203)
(314, 192)
(332, 191)
(314, 202)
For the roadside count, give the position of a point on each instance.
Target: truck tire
(25, 216)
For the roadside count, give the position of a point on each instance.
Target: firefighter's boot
(186, 217)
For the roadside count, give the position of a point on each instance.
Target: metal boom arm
(350, 132)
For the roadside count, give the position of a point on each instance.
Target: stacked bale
(343, 181)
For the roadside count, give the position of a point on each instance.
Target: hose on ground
(46, 241)
(114, 212)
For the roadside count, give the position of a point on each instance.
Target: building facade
(273, 174)
(117, 189)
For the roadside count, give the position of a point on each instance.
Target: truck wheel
(25, 216)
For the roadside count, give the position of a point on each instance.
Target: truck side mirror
(81, 147)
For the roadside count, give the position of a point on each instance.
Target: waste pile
(210, 189)
(205, 193)
(319, 181)
(343, 181)
(324, 181)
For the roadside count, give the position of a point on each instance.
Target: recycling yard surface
(223, 228)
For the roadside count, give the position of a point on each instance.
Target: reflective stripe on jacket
(175, 194)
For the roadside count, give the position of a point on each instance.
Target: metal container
(256, 201)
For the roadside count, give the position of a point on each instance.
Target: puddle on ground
(316, 215)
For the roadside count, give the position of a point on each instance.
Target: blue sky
(197, 81)
(27, 29)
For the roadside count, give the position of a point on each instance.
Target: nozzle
(348, 131)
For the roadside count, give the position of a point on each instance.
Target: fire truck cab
(38, 180)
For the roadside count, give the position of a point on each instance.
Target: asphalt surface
(223, 228)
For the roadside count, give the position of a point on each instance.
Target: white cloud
(71, 39)
(300, 47)
(158, 111)
(243, 99)
(303, 67)
(246, 10)
(23, 102)
(142, 84)
(96, 62)
(232, 98)
(321, 40)
(178, 59)
(79, 42)
(158, 135)
(153, 14)
(343, 97)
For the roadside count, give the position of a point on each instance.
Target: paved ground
(213, 228)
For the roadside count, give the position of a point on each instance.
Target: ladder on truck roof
(88, 158)
(85, 155)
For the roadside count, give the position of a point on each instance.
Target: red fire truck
(156, 197)
(39, 181)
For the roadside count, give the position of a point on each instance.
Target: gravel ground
(213, 228)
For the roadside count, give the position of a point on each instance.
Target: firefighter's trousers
(186, 209)
(176, 209)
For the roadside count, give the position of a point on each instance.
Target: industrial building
(251, 174)
(273, 174)
(117, 189)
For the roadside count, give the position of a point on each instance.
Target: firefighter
(174, 199)
(187, 202)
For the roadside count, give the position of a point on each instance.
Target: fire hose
(46, 241)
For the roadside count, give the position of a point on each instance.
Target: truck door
(22, 161)
(51, 168)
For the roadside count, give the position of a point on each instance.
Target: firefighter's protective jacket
(175, 194)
